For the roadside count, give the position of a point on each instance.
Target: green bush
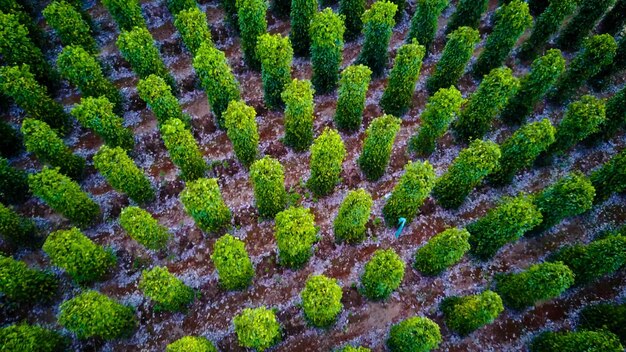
(19, 283)
(354, 349)
(467, 14)
(268, 180)
(511, 20)
(191, 344)
(24, 13)
(583, 22)
(126, 13)
(352, 10)
(485, 104)
(252, 24)
(466, 172)
(378, 24)
(70, 26)
(92, 314)
(97, 114)
(354, 213)
(456, 54)
(298, 98)
(177, 6)
(417, 334)
(544, 72)
(353, 86)
(10, 139)
(327, 154)
(183, 149)
(605, 76)
(604, 316)
(466, 314)
(203, 202)
(232, 262)
(377, 147)
(158, 96)
(442, 251)
(425, 22)
(546, 25)
(143, 228)
(31, 338)
(326, 31)
(295, 234)
(276, 54)
(167, 291)
(216, 79)
(398, 96)
(383, 274)
(302, 12)
(537, 283)
(592, 341)
(16, 230)
(240, 123)
(610, 178)
(582, 119)
(321, 300)
(613, 21)
(123, 174)
(257, 328)
(13, 183)
(503, 224)
(615, 112)
(409, 193)
(193, 27)
(440, 110)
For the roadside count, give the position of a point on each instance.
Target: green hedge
(302, 12)
(583, 22)
(327, 155)
(600, 341)
(582, 119)
(16, 230)
(326, 31)
(425, 22)
(27, 338)
(352, 10)
(604, 316)
(177, 6)
(378, 24)
(352, 92)
(383, 274)
(378, 145)
(546, 25)
(97, 114)
(183, 149)
(350, 225)
(203, 202)
(321, 300)
(295, 234)
(418, 334)
(466, 314)
(19, 283)
(268, 180)
(232, 262)
(13, 183)
(276, 54)
(257, 328)
(442, 251)
(193, 27)
(615, 112)
(468, 14)
(126, 13)
(398, 95)
(241, 128)
(610, 178)
(70, 26)
(252, 24)
(123, 174)
(191, 344)
(143, 228)
(167, 291)
(409, 193)
(354, 349)
(158, 96)
(298, 98)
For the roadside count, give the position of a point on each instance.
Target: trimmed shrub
(544, 72)
(123, 174)
(440, 110)
(577, 29)
(276, 54)
(605, 76)
(298, 98)
(327, 154)
(485, 104)
(167, 291)
(546, 25)
(26, 338)
(326, 33)
(42, 141)
(466, 172)
(158, 96)
(466, 314)
(15, 229)
(467, 14)
(194, 29)
(456, 54)
(321, 300)
(442, 251)
(417, 334)
(70, 26)
(511, 20)
(203, 202)
(257, 328)
(13, 183)
(383, 274)
(126, 13)
(79, 256)
(10, 139)
(604, 316)
(25, 13)
(92, 314)
(539, 282)
(143, 228)
(352, 92)
(19, 283)
(177, 6)
(378, 24)
(191, 344)
(503, 224)
(252, 24)
(295, 234)
(97, 114)
(398, 95)
(302, 12)
(409, 193)
(216, 79)
(614, 20)
(596, 341)
(424, 23)
(354, 213)
(268, 180)
(377, 147)
(609, 178)
(232, 262)
(354, 349)
(183, 149)
(241, 129)
(352, 10)
(582, 119)
(615, 114)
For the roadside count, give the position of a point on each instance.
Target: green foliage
(456, 54)
(295, 234)
(577, 29)
(326, 31)
(70, 26)
(610, 178)
(378, 24)
(354, 349)
(466, 172)
(241, 128)
(416, 334)
(143, 228)
(503, 224)
(537, 283)
(442, 251)
(167, 291)
(383, 274)
(485, 103)
(615, 116)
(252, 24)
(16, 230)
(354, 213)
(158, 95)
(13, 183)
(398, 95)
(298, 98)
(276, 54)
(232, 262)
(177, 6)
(123, 174)
(589, 341)
(19, 283)
(230, 12)
(409, 193)
(468, 313)
(321, 300)
(257, 328)
(605, 77)
(191, 344)
(30, 338)
(268, 180)
(546, 25)
(377, 147)
(216, 79)
(327, 154)
(582, 119)
(183, 149)
(440, 110)
(353, 86)
(467, 14)
(97, 114)
(203, 202)
(194, 30)
(424, 23)
(352, 10)
(126, 13)
(544, 72)
(92, 314)
(302, 13)
(604, 316)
